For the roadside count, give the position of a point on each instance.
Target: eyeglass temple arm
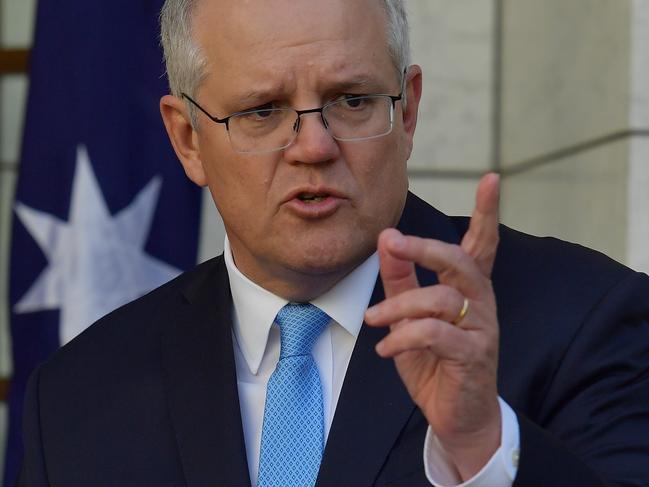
(211, 117)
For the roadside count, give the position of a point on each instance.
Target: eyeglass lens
(354, 118)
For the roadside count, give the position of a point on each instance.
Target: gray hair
(187, 67)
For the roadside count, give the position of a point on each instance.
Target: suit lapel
(374, 405)
(372, 409)
(201, 381)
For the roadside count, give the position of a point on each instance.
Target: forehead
(252, 41)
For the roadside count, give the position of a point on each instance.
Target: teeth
(310, 197)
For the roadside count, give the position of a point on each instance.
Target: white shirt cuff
(500, 470)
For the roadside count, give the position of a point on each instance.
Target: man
(300, 118)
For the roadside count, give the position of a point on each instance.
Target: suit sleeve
(593, 427)
(33, 472)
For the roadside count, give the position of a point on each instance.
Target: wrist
(470, 451)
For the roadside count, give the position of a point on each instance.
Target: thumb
(398, 275)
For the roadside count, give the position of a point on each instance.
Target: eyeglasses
(348, 118)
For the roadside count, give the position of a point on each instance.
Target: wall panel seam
(497, 89)
(535, 162)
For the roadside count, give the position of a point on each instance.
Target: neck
(295, 286)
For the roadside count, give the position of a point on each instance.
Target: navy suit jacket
(148, 395)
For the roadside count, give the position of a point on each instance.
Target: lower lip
(314, 209)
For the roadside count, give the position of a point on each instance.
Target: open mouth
(312, 197)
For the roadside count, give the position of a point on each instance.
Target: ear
(413, 96)
(183, 137)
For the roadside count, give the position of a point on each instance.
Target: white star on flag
(96, 262)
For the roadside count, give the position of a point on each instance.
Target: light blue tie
(292, 438)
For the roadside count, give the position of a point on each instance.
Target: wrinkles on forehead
(254, 40)
(244, 98)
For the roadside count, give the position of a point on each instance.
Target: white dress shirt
(256, 348)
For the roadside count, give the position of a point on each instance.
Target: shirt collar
(255, 308)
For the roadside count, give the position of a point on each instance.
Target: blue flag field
(103, 211)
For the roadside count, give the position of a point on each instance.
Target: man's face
(301, 54)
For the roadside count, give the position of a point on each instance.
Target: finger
(397, 273)
(453, 265)
(439, 301)
(481, 239)
(443, 339)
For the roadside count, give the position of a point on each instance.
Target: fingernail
(398, 242)
(380, 347)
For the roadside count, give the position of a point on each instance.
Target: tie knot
(300, 326)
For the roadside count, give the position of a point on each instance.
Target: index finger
(481, 239)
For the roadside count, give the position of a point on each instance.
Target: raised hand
(444, 338)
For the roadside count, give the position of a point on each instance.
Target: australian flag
(103, 211)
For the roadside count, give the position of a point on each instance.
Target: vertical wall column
(638, 182)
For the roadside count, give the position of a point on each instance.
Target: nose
(313, 143)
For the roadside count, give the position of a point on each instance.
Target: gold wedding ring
(463, 312)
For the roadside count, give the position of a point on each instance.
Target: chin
(330, 256)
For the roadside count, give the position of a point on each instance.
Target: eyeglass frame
(296, 127)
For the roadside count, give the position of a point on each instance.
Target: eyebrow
(355, 82)
(364, 81)
(257, 95)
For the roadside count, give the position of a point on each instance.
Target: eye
(259, 113)
(354, 102)
(262, 113)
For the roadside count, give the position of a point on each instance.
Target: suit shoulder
(560, 286)
(135, 328)
(552, 260)
(549, 270)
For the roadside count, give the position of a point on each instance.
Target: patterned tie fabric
(292, 437)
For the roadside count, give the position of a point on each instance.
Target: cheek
(241, 188)
(380, 173)
(383, 171)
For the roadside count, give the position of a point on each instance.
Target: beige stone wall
(582, 198)
(566, 75)
(555, 94)
(453, 42)
(566, 82)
